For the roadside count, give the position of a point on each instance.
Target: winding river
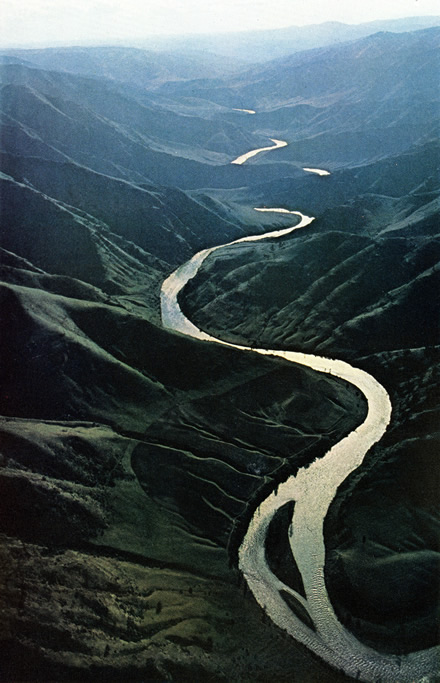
(253, 153)
(312, 489)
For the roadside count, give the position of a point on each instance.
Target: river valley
(310, 619)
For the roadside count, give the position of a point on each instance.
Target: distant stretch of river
(318, 171)
(253, 153)
(310, 620)
(247, 111)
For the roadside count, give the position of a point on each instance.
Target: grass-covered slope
(327, 103)
(369, 260)
(106, 570)
(339, 105)
(68, 117)
(162, 221)
(132, 458)
(361, 283)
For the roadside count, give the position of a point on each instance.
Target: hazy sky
(76, 21)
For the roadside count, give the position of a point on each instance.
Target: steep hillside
(162, 221)
(340, 105)
(144, 68)
(322, 291)
(90, 122)
(106, 420)
(117, 132)
(108, 569)
(413, 173)
(360, 283)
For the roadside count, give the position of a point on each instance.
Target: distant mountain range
(264, 45)
(141, 67)
(329, 104)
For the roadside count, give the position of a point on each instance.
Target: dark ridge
(23, 661)
(298, 609)
(278, 552)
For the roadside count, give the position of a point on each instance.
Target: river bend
(313, 488)
(244, 157)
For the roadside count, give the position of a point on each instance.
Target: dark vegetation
(132, 458)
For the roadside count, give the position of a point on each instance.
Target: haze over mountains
(265, 45)
(132, 457)
(253, 46)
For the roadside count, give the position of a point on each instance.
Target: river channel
(313, 622)
(253, 153)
